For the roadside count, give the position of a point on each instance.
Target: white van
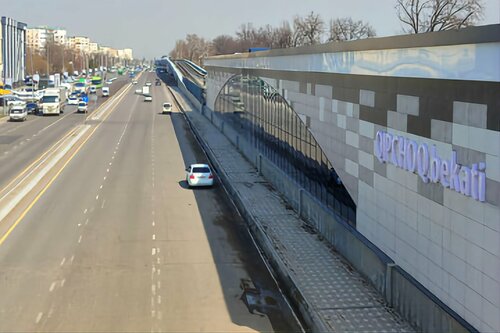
(105, 91)
(18, 112)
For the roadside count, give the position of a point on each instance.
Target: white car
(134, 82)
(93, 89)
(167, 108)
(148, 98)
(105, 91)
(138, 91)
(199, 175)
(72, 100)
(18, 112)
(82, 107)
(148, 84)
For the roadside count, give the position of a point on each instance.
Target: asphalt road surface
(119, 243)
(23, 142)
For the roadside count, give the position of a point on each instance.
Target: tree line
(416, 16)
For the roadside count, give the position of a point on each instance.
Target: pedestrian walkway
(336, 297)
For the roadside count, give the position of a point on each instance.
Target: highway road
(119, 243)
(23, 142)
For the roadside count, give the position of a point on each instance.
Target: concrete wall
(448, 242)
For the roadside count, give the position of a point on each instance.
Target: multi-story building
(93, 47)
(79, 43)
(37, 37)
(127, 54)
(59, 36)
(13, 50)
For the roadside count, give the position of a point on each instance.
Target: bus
(96, 81)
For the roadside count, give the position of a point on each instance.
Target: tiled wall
(447, 241)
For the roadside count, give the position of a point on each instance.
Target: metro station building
(399, 137)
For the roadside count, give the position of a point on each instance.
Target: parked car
(73, 100)
(148, 98)
(82, 107)
(32, 108)
(167, 108)
(199, 175)
(10, 100)
(18, 112)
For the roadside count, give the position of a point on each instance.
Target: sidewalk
(331, 296)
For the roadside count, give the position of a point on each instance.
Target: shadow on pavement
(223, 225)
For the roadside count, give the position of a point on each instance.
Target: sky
(151, 27)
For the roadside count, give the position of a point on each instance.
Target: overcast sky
(151, 27)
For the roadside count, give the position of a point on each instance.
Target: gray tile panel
(432, 191)
(380, 168)
(366, 175)
(466, 156)
(436, 96)
(322, 90)
(493, 192)
(351, 153)
(441, 130)
(366, 144)
(397, 120)
(408, 104)
(470, 114)
(353, 124)
(367, 97)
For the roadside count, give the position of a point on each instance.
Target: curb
(314, 322)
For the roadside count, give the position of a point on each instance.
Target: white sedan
(72, 100)
(82, 107)
(199, 175)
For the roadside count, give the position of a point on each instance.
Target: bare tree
(308, 30)
(436, 15)
(282, 36)
(343, 29)
(225, 44)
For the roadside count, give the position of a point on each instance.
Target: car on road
(157, 83)
(199, 175)
(18, 112)
(105, 91)
(148, 98)
(167, 107)
(72, 100)
(138, 91)
(93, 89)
(134, 82)
(82, 107)
(32, 108)
(109, 82)
(148, 84)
